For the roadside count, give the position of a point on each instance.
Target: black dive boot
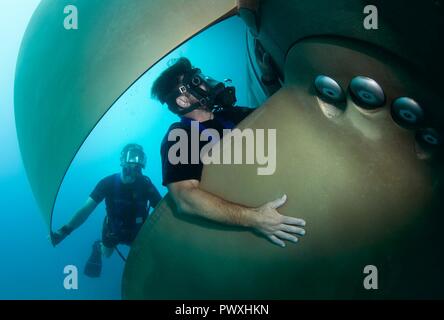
(93, 267)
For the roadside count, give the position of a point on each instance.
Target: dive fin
(93, 267)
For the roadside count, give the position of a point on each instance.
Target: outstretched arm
(190, 199)
(77, 220)
(82, 214)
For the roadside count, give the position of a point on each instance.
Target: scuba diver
(194, 96)
(128, 196)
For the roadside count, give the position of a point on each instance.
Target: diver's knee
(107, 252)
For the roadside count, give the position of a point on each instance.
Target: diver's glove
(60, 235)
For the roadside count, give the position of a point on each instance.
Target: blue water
(30, 268)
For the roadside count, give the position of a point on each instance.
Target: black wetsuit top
(225, 119)
(127, 207)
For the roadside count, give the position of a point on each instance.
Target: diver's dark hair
(169, 79)
(130, 146)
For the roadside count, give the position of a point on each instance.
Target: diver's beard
(206, 108)
(129, 176)
(185, 111)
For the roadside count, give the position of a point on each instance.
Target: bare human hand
(277, 227)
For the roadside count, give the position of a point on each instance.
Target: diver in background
(128, 196)
(195, 97)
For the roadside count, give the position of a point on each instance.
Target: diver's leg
(109, 241)
(107, 251)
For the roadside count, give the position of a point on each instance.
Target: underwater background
(30, 268)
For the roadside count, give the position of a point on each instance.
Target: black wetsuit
(127, 207)
(225, 119)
